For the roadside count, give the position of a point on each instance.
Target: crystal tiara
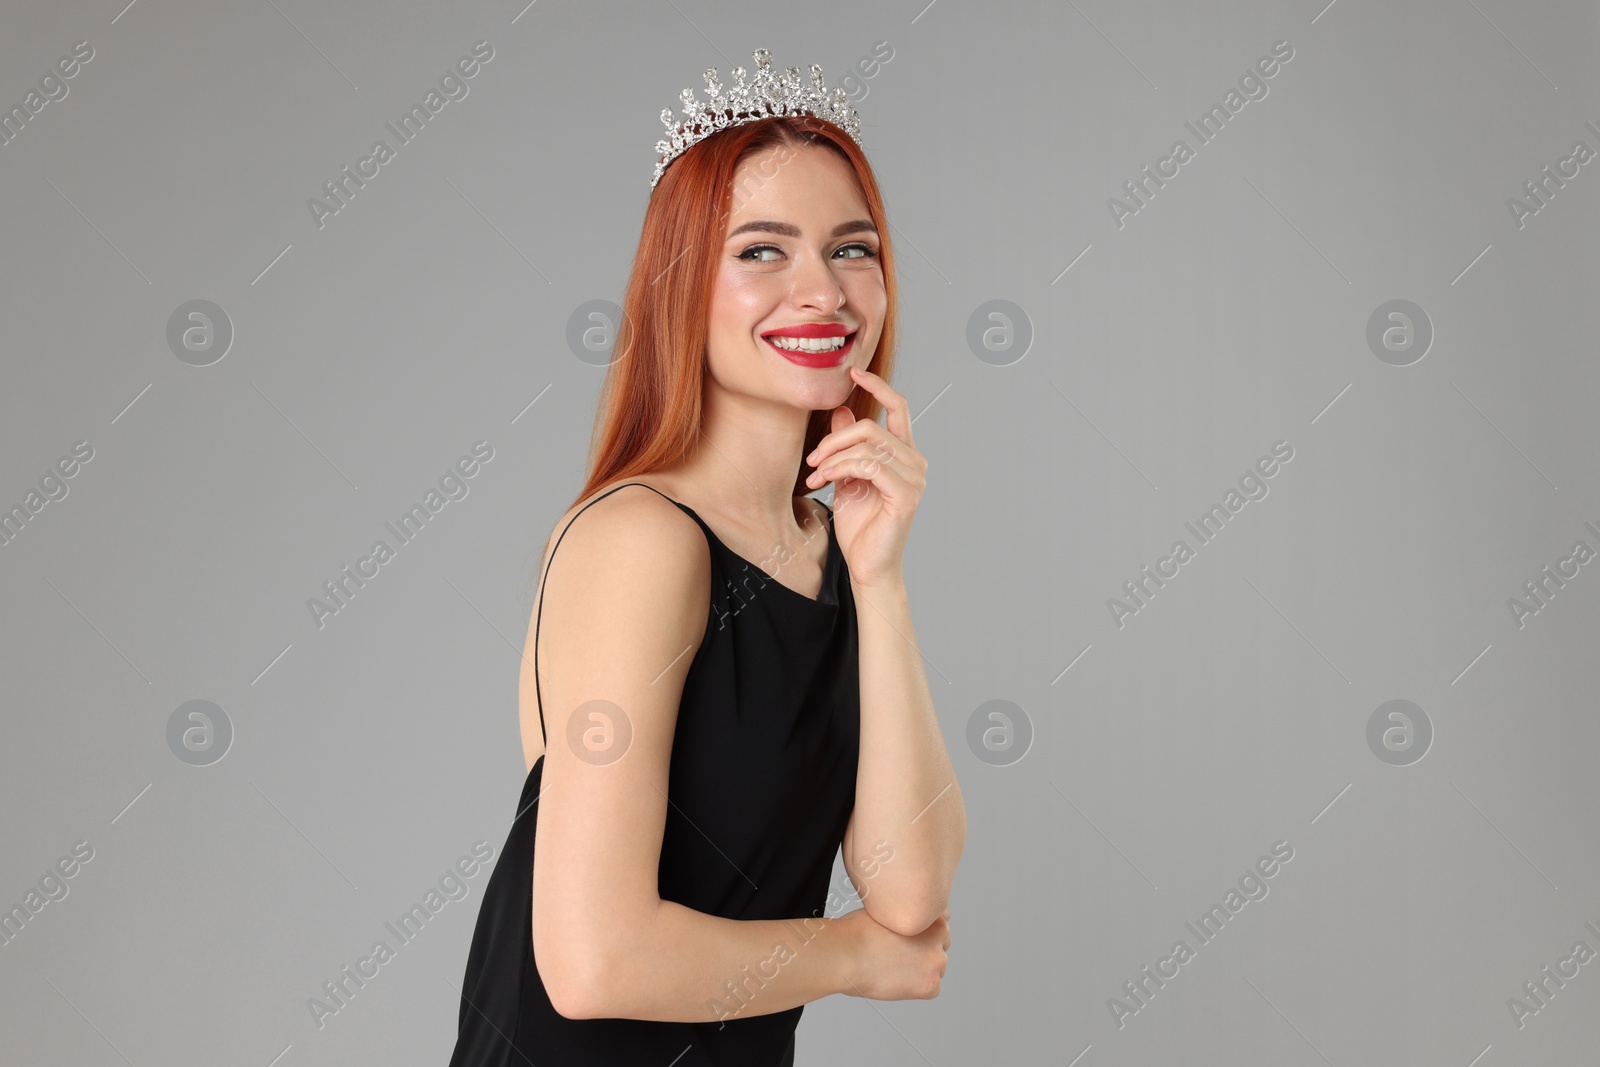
(769, 94)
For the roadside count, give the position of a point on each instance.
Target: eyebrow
(787, 230)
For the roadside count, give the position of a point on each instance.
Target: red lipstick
(831, 358)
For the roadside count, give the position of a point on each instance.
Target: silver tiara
(769, 94)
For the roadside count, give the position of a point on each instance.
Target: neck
(745, 460)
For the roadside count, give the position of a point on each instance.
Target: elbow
(585, 958)
(906, 918)
(561, 1000)
(909, 908)
(571, 999)
(576, 976)
(584, 992)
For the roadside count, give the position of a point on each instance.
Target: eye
(758, 248)
(866, 250)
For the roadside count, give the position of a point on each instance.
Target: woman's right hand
(889, 966)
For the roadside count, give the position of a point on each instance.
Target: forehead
(810, 186)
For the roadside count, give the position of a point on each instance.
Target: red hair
(649, 412)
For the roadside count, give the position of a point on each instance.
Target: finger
(865, 433)
(850, 429)
(894, 404)
(870, 454)
(884, 476)
(838, 439)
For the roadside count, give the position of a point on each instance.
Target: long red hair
(649, 411)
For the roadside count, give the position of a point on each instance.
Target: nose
(815, 287)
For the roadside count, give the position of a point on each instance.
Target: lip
(814, 360)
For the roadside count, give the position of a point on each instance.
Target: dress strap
(539, 611)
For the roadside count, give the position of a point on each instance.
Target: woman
(704, 732)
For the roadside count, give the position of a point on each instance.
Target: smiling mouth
(809, 345)
(813, 352)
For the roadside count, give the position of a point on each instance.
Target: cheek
(739, 301)
(867, 294)
(871, 301)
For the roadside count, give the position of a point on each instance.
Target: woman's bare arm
(625, 608)
(688, 966)
(906, 834)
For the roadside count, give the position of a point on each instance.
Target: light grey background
(1227, 314)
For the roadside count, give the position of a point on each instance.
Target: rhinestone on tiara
(767, 95)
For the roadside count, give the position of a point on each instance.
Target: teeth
(809, 344)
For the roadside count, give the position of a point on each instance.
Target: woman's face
(799, 248)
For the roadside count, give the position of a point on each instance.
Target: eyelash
(870, 254)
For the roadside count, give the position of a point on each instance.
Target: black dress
(761, 786)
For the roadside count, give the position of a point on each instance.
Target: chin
(820, 396)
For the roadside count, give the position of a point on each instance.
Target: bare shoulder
(627, 575)
(624, 589)
(627, 550)
(631, 511)
(625, 516)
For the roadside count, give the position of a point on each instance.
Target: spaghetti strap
(539, 611)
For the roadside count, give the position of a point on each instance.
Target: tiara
(769, 94)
